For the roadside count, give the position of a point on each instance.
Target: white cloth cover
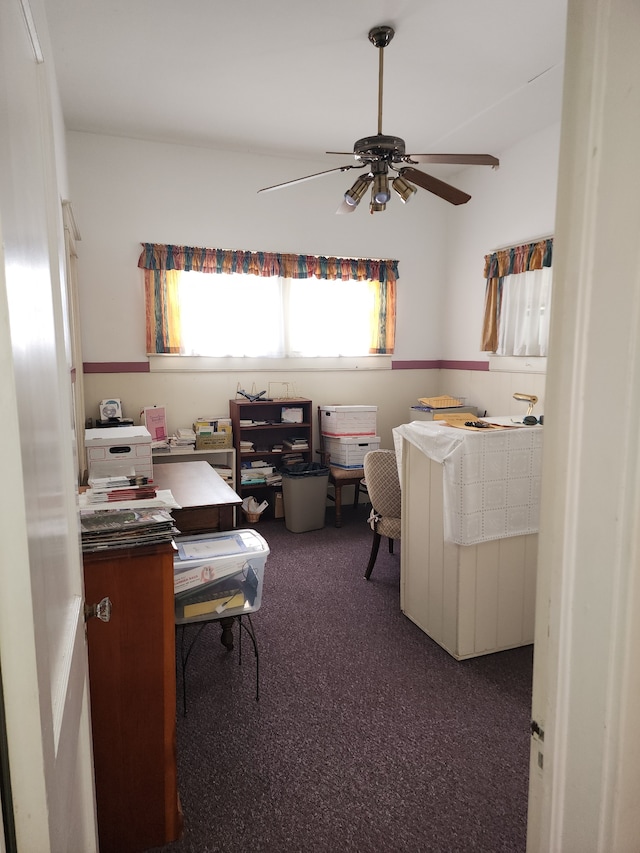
(491, 478)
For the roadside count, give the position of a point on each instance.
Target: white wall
(493, 391)
(192, 394)
(511, 205)
(126, 191)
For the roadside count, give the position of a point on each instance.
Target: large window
(518, 300)
(274, 317)
(209, 302)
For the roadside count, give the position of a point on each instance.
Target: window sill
(189, 364)
(518, 363)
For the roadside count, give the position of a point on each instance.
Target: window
(274, 317)
(524, 317)
(210, 302)
(518, 300)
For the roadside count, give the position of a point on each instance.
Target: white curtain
(248, 315)
(231, 315)
(524, 313)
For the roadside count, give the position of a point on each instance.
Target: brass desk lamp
(531, 399)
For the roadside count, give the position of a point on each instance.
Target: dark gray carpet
(367, 736)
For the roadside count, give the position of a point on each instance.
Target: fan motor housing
(387, 148)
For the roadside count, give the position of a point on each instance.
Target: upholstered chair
(383, 486)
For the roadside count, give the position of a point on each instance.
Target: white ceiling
(299, 78)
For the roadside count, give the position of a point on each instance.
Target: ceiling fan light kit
(381, 154)
(380, 190)
(404, 189)
(354, 195)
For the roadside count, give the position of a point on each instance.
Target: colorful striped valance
(517, 259)
(157, 256)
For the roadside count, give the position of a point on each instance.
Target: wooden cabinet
(132, 678)
(266, 432)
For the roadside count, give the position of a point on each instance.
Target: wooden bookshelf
(266, 431)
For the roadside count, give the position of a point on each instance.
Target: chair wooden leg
(374, 553)
(391, 546)
(338, 498)
(356, 495)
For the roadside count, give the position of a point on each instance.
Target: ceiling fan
(381, 154)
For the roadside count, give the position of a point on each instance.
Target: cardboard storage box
(348, 420)
(218, 575)
(349, 451)
(214, 441)
(119, 452)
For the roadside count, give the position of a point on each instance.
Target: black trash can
(304, 492)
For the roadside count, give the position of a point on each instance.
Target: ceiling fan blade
(309, 177)
(463, 159)
(434, 185)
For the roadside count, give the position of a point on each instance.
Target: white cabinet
(471, 599)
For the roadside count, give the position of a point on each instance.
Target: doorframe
(586, 689)
(8, 841)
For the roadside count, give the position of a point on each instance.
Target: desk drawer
(201, 519)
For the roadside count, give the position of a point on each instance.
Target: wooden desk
(207, 505)
(207, 501)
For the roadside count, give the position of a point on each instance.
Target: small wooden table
(207, 505)
(207, 502)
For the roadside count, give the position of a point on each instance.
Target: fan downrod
(381, 36)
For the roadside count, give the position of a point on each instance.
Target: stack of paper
(124, 528)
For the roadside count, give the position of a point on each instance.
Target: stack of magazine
(125, 528)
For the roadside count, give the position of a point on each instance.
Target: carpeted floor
(367, 736)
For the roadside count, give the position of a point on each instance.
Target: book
(295, 444)
(214, 605)
(155, 420)
(186, 434)
(120, 493)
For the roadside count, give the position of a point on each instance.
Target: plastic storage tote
(219, 574)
